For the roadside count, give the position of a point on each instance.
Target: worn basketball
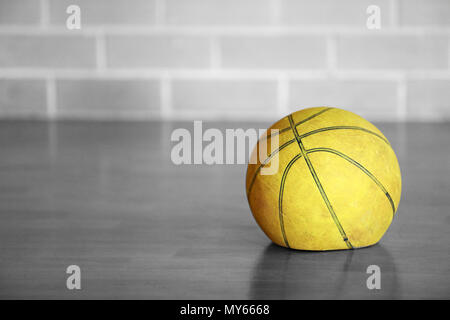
(337, 185)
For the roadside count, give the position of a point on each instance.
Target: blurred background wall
(223, 59)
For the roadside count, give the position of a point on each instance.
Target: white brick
(424, 12)
(392, 52)
(428, 99)
(158, 51)
(218, 12)
(106, 12)
(231, 97)
(332, 12)
(372, 99)
(108, 98)
(19, 12)
(284, 52)
(39, 51)
(22, 98)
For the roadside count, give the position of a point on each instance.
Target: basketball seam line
(265, 162)
(362, 168)
(318, 184)
(307, 134)
(297, 124)
(338, 153)
(280, 196)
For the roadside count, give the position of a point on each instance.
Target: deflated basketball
(337, 186)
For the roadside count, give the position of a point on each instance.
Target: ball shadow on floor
(282, 273)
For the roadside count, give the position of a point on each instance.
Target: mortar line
(394, 13)
(275, 12)
(44, 14)
(402, 99)
(331, 54)
(215, 53)
(208, 30)
(160, 12)
(100, 51)
(283, 87)
(166, 97)
(263, 74)
(51, 97)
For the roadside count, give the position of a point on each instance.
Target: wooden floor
(106, 197)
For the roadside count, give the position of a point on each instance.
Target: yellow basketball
(337, 186)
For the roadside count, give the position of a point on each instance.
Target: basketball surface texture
(338, 183)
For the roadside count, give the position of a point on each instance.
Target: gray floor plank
(105, 196)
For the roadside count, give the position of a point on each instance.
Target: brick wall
(224, 59)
